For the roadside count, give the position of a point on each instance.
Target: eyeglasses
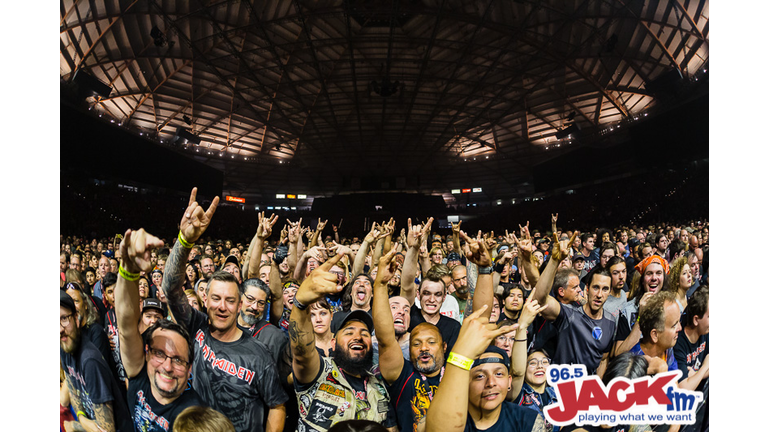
(259, 303)
(544, 361)
(504, 339)
(64, 320)
(160, 356)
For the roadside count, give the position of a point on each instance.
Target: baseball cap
(544, 240)
(66, 301)
(151, 303)
(496, 350)
(453, 256)
(355, 315)
(230, 259)
(577, 256)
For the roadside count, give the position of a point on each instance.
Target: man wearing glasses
(252, 317)
(157, 371)
(89, 384)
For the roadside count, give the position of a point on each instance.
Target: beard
(73, 342)
(349, 364)
(429, 368)
(249, 318)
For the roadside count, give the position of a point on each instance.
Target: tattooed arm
(193, 224)
(306, 359)
(104, 418)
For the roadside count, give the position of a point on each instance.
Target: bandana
(650, 260)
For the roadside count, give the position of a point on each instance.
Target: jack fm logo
(585, 399)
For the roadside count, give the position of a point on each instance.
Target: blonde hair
(202, 419)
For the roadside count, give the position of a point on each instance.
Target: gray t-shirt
(614, 305)
(583, 340)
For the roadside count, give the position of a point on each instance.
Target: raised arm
(263, 231)
(135, 253)
(519, 347)
(359, 264)
(559, 253)
(455, 236)
(295, 244)
(448, 410)
(306, 359)
(318, 234)
(410, 265)
(193, 224)
(390, 355)
(480, 256)
(276, 290)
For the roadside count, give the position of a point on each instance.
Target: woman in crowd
(680, 280)
(320, 314)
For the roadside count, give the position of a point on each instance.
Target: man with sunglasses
(157, 371)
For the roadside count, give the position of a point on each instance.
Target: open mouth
(357, 347)
(426, 357)
(360, 295)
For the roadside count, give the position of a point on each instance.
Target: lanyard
(424, 380)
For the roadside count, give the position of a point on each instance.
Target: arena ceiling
(324, 97)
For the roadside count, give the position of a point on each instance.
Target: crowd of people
(398, 328)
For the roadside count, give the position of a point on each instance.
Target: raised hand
(477, 333)
(195, 220)
(416, 233)
(317, 252)
(530, 310)
(525, 246)
(340, 249)
(561, 249)
(387, 267)
(319, 283)
(136, 250)
(478, 251)
(373, 235)
(456, 227)
(321, 225)
(265, 226)
(554, 223)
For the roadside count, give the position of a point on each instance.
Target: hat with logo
(151, 303)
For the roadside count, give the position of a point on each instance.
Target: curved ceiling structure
(419, 95)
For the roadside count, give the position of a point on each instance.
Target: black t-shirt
(110, 327)
(691, 354)
(91, 382)
(271, 336)
(149, 415)
(236, 378)
(96, 334)
(449, 327)
(583, 340)
(411, 395)
(512, 418)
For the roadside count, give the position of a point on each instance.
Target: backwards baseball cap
(151, 303)
(493, 349)
(355, 315)
(66, 301)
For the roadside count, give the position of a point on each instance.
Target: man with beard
(338, 388)
(618, 297)
(411, 384)
(207, 266)
(461, 293)
(586, 333)
(255, 294)
(88, 384)
(234, 373)
(157, 388)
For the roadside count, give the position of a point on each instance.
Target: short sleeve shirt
(149, 415)
(411, 394)
(92, 383)
(583, 340)
(238, 378)
(512, 418)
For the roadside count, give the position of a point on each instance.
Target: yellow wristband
(127, 275)
(460, 361)
(185, 243)
(81, 414)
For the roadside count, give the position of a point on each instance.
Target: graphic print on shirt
(145, 419)
(421, 401)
